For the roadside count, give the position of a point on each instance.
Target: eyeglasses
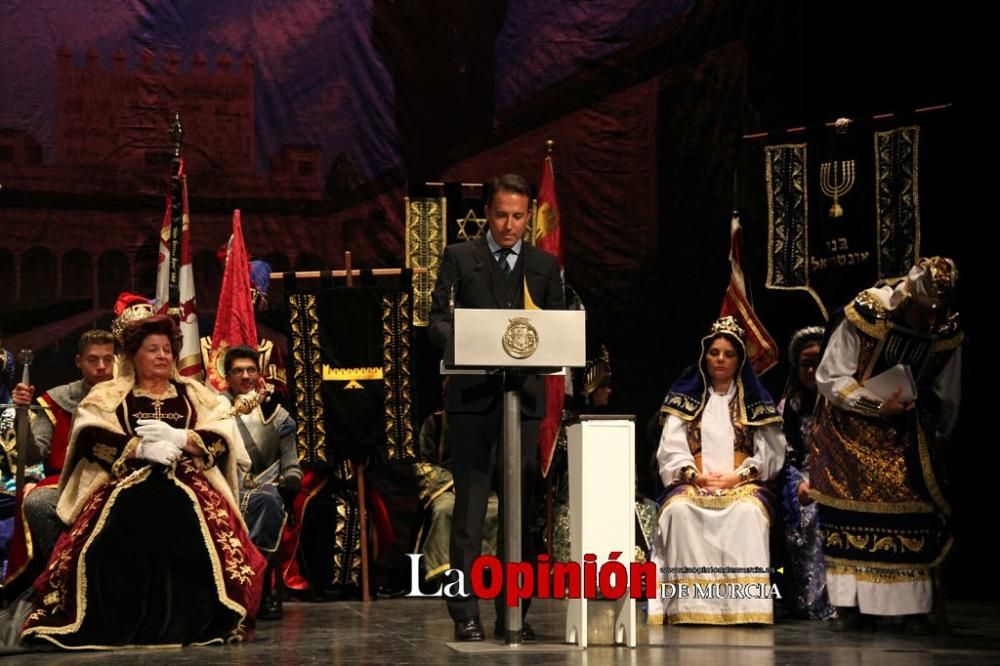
(249, 372)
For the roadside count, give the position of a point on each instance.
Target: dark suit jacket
(479, 283)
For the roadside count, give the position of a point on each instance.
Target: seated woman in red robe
(156, 552)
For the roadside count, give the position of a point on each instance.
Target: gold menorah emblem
(836, 179)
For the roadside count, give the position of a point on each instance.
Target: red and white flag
(761, 348)
(175, 277)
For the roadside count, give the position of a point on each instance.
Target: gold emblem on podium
(520, 340)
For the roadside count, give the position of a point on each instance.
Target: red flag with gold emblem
(548, 237)
(234, 322)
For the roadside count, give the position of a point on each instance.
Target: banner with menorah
(843, 211)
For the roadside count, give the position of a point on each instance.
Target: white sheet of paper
(885, 384)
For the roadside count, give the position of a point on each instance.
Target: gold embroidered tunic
(155, 555)
(883, 509)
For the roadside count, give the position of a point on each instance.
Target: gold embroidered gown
(705, 537)
(883, 510)
(154, 555)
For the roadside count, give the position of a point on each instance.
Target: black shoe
(527, 633)
(849, 619)
(270, 609)
(469, 629)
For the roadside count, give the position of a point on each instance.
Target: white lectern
(602, 510)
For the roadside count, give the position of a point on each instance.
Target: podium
(514, 343)
(601, 453)
(533, 341)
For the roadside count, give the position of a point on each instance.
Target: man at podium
(498, 270)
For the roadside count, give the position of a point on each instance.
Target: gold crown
(728, 325)
(130, 315)
(942, 276)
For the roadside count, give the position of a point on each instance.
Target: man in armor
(274, 478)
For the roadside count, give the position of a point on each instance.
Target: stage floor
(416, 631)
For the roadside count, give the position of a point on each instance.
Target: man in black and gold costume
(875, 466)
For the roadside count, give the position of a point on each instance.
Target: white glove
(164, 453)
(152, 430)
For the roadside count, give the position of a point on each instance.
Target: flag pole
(176, 218)
(736, 193)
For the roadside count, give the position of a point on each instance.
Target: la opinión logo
(543, 580)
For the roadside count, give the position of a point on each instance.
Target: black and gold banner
(352, 374)
(843, 211)
(438, 214)
(397, 376)
(330, 542)
(347, 540)
(897, 198)
(310, 424)
(426, 234)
